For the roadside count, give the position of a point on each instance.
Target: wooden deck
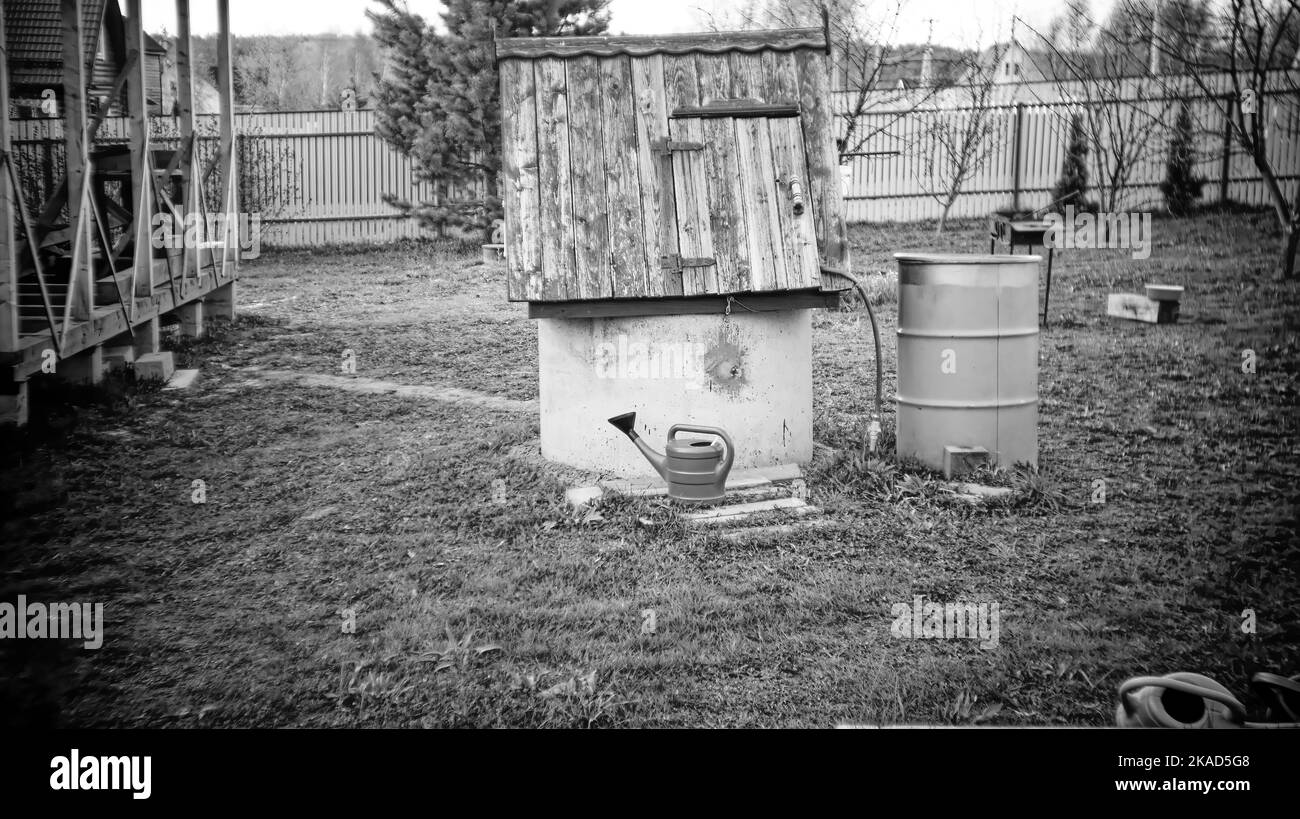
(107, 321)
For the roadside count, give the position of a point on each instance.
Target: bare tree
(864, 44)
(1252, 55)
(959, 142)
(1099, 70)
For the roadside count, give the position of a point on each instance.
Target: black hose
(875, 332)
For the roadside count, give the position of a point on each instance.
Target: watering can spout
(626, 424)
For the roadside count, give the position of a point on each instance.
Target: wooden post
(146, 337)
(1225, 166)
(185, 115)
(220, 303)
(86, 367)
(9, 321)
(1016, 163)
(229, 165)
(13, 395)
(81, 295)
(141, 155)
(191, 316)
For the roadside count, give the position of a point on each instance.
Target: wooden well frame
(652, 172)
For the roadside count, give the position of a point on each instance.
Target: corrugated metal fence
(900, 187)
(320, 177)
(316, 177)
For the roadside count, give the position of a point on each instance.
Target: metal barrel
(967, 356)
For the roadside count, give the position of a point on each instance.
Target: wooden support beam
(221, 303)
(86, 367)
(141, 156)
(146, 337)
(229, 161)
(185, 122)
(191, 316)
(13, 394)
(9, 204)
(695, 305)
(81, 301)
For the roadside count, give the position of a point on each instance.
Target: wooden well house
(658, 169)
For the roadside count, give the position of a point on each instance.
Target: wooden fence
(320, 177)
(1025, 151)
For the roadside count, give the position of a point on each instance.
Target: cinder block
(958, 460)
(493, 253)
(155, 366)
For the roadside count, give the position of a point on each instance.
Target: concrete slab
(788, 477)
(182, 380)
(155, 366)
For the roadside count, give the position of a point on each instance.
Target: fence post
(1225, 165)
(1015, 181)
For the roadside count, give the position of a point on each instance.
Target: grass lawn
(328, 492)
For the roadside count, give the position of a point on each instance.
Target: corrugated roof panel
(34, 38)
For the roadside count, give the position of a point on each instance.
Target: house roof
(34, 39)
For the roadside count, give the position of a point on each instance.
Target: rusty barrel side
(967, 356)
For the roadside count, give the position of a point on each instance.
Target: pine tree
(1072, 186)
(439, 101)
(1181, 186)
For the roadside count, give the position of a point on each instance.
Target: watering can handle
(725, 466)
(1238, 710)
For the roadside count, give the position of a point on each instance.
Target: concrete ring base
(750, 375)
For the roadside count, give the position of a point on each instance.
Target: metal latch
(676, 263)
(665, 147)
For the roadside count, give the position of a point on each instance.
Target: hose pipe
(873, 427)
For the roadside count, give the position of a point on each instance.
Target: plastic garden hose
(873, 430)
(1282, 707)
(1272, 682)
(1233, 704)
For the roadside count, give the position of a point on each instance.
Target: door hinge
(677, 264)
(665, 147)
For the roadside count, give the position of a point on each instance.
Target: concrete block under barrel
(967, 356)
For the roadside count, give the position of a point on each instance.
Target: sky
(958, 23)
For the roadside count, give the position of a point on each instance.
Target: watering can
(696, 471)
(1179, 700)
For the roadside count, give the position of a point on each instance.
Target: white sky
(960, 23)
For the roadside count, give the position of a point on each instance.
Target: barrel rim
(964, 258)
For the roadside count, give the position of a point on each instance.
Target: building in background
(34, 42)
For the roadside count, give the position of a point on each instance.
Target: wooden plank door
(743, 200)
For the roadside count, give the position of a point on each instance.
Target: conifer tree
(1072, 186)
(439, 100)
(1181, 186)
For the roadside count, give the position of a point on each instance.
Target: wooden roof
(712, 42)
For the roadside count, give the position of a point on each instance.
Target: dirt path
(375, 386)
